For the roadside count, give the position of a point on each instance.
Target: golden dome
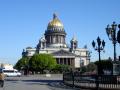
(55, 22)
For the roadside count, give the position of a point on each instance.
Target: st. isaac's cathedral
(53, 42)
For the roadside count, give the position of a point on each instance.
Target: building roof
(29, 47)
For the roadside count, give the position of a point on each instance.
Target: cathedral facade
(53, 42)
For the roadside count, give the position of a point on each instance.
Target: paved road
(36, 82)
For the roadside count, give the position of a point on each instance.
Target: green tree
(83, 69)
(105, 64)
(21, 63)
(60, 68)
(91, 67)
(40, 62)
(64, 68)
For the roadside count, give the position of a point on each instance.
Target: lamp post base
(116, 68)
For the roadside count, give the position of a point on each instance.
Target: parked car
(1, 78)
(11, 73)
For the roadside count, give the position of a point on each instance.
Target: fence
(94, 82)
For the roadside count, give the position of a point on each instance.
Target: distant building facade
(53, 42)
(6, 66)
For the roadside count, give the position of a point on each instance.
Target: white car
(11, 73)
(17, 72)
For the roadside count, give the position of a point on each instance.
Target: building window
(81, 62)
(61, 61)
(65, 61)
(68, 61)
(54, 39)
(57, 60)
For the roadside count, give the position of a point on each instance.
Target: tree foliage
(83, 69)
(21, 63)
(91, 67)
(104, 64)
(42, 62)
(61, 68)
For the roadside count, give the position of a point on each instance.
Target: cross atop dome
(54, 16)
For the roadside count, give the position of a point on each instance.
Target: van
(1, 78)
(11, 73)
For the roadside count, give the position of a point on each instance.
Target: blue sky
(23, 22)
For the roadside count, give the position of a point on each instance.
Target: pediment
(63, 53)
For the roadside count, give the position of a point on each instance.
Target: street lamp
(118, 34)
(99, 47)
(114, 36)
(111, 32)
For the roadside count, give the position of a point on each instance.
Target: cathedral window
(81, 62)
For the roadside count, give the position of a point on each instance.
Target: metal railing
(94, 82)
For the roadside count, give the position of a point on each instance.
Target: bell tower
(41, 44)
(74, 43)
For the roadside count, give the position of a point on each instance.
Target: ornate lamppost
(111, 32)
(99, 47)
(114, 36)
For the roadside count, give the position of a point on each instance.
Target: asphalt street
(35, 82)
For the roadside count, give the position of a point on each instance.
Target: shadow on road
(44, 81)
(52, 84)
